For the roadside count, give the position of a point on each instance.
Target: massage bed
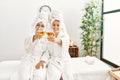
(8, 68)
(79, 67)
(86, 68)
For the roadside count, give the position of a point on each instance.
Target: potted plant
(91, 29)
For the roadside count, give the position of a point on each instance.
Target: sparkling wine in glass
(42, 33)
(50, 34)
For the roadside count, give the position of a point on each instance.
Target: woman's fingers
(37, 66)
(52, 39)
(41, 64)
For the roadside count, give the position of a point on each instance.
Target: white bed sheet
(80, 69)
(8, 68)
(83, 71)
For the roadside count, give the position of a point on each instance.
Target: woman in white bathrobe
(57, 49)
(35, 47)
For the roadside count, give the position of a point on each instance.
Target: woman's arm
(55, 40)
(65, 47)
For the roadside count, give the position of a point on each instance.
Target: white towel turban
(57, 15)
(43, 17)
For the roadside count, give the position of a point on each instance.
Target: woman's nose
(56, 27)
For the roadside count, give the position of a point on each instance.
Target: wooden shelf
(115, 73)
(74, 51)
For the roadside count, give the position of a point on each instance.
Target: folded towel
(89, 60)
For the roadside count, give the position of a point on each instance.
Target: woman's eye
(42, 26)
(53, 24)
(38, 25)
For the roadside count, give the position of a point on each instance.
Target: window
(110, 50)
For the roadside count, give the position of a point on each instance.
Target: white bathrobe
(34, 51)
(56, 56)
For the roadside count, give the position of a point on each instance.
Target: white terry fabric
(55, 57)
(34, 51)
(57, 54)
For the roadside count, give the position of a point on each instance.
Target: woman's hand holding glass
(43, 33)
(38, 35)
(55, 40)
(50, 34)
(51, 37)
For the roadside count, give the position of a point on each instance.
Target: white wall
(17, 16)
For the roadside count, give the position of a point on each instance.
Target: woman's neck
(56, 34)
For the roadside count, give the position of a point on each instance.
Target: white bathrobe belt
(56, 59)
(57, 62)
(35, 58)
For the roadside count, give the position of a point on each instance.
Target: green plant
(91, 29)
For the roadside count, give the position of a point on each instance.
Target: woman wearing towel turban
(57, 47)
(35, 47)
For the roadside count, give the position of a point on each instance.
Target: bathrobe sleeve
(65, 46)
(29, 45)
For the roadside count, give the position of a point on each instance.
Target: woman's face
(39, 27)
(56, 26)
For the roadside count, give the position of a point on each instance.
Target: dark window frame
(102, 33)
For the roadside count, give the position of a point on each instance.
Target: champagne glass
(50, 34)
(42, 33)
